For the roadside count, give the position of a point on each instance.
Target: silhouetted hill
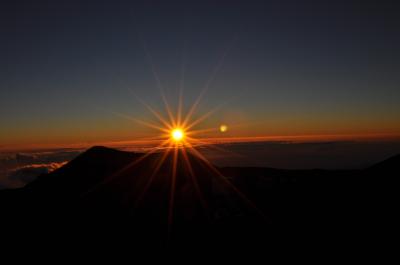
(107, 193)
(388, 166)
(85, 171)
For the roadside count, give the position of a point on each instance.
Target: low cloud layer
(16, 170)
(28, 173)
(286, 155)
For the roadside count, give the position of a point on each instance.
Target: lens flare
(223, 128)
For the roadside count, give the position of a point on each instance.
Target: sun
(177, 134)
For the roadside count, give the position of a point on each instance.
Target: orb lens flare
(223, 128)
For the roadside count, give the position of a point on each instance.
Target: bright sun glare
(177, 134)
(179, 137)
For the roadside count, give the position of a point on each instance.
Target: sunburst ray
(172, 191)
(149, 181)
(124, 169)
(179, 136)
(227, 182)
(195, 182)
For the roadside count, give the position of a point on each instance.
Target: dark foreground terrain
(105, 196)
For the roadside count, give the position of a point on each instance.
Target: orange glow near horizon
(145, 141)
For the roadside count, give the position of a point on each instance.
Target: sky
(278, 68)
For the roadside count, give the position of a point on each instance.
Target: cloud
(28, 173)
(18, 169)
(286, 155)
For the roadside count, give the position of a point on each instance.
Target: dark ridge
(390, 165)
(86, 170)
(101, 194)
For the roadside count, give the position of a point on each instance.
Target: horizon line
(305, 138)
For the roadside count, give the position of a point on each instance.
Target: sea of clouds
(18, 169)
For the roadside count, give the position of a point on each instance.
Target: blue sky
(285, 67)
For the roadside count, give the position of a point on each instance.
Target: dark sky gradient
(290, 67)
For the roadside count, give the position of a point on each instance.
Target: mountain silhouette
(106, 193)
(388, 166)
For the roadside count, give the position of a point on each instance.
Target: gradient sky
(281, 67)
